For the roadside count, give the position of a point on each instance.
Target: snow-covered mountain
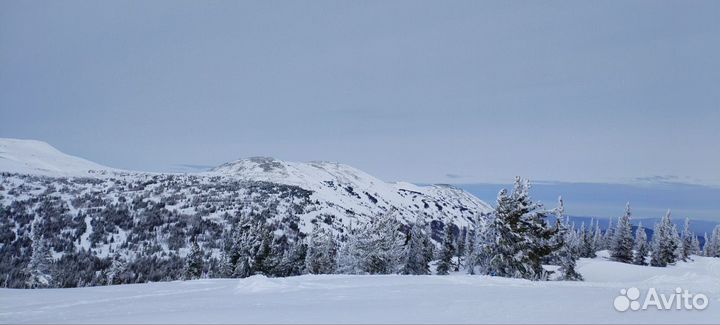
(84, 208)
(352, 189)
(39, 158)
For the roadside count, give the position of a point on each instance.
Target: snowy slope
(353, 189)
(292, 196)
(457, 298)
(39, 158)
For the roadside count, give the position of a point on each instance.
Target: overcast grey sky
(458, 91)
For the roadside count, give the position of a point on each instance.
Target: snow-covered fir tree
(641, 246)
(597, 237)
(687, 241)
(567, 243)
(40, 261)
(621, 249)
(195, 262)
(414, 257)
(517, 237)
(348, 258)
(321, 252)
(470, 251)
(712, 245)
(292, 261)
(117, 269)
(608, 235)
(447, 252)
(429, 250)
(460, 248)
(706, 247)
(379, 246)
(665, 243)
(225, 268)
(250, 246)
(586, 243)
(695, 245)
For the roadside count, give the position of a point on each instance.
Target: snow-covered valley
(457, 298)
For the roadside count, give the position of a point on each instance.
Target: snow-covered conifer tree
(460, 248)
(40, 261)
(665, 242)
(517, 237)
(321, 252)
(117, 269)
(597, 237)
(641, 246)
(622, 245)
(712, 245)
(447, 252)
(194, 261)
(379, 246)
(608, 235)
(415, 261)
(567, 251)
(687, 241)
(586, 247)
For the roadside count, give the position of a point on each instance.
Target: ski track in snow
(457, 298)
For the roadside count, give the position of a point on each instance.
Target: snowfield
(457, 298)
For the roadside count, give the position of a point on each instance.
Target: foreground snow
(375, 299)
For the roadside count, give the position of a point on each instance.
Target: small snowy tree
(641, 246)
(622, 244)
(460, 248)
(40, 260)
(608, 235)
(321, 252)
(379, 246)
(712, 244)
(586, 245)
(665, 243)
(415, 260)
(470, 251)
(194, 262)
(687, 241)
(567, 252)
(447, 252)
(117, 269)
(597, 237)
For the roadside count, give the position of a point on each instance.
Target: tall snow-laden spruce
(460, 249)
(712, 244)
(608, 236)
(687, 241)
(622, 244)
(415, 259)
(586, 245)
(665, 243)
(641, 246)
(321, 252)
(517, 237)
(566, 241)
(194, 262)
(40, 261)
(447, 252)
(597, 237)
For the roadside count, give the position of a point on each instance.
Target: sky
(424, 91)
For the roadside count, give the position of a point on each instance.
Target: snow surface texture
(39, 158)
(457, 298)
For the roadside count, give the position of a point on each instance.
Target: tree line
(516, 240)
